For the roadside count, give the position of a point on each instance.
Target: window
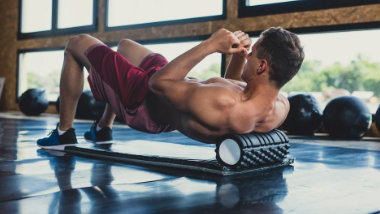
(41, 69)
(74, 13)
(209, 67)
(36, 15)
(340, 63)
(132, 13)
(249, 8)
(55, 17)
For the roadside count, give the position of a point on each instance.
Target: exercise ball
(377, 118)
(304, 116)
(33, 102)
(346, 117)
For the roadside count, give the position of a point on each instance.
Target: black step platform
(256, 153)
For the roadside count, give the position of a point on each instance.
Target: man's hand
(245, 42)
(236, 66)
(224, 41)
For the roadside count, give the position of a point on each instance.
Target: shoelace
(51, 132)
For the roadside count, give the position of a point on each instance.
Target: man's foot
(103, 136)
(58, 142)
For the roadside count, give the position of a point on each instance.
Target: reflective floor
(327, 177)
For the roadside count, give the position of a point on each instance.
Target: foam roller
(252, 150)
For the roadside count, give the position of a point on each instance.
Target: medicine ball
(304, 116)
(88, 107)
(377, 118)
(57, 104)
(33, 102)
(347, 117)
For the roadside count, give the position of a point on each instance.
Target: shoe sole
(57, 147)
(99, 142)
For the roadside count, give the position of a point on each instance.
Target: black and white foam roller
(252, 150)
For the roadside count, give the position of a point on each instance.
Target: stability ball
(33, 102)
(304, 116)
(347, 117)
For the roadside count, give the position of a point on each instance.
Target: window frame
(55, 31)
(296, 6)
(161, 23)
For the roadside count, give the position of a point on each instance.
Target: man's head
(281, 52)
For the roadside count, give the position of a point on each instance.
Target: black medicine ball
(88, 107)
(347, 117)
(33, 102)
(377, 118)
(304, 116)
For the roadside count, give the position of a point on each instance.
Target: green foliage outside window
(359, 75)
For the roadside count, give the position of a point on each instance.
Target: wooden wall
(9, 44)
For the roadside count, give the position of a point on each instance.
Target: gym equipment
(252, 152)
(88, 107)
(304, 116)
(377, 118)
(57, 103)
(346, 117)
(33, 102)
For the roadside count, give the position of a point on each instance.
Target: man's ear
(263, 66)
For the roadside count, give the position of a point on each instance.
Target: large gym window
(338, 64)
(41, 69)
(74, 13)
(128, 13)
(249, 8)
(209, 67)
(56, 17)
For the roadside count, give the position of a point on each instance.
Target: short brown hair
(282, 49)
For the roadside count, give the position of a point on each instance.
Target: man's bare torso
(208, 127)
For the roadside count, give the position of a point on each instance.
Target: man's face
(252, 64)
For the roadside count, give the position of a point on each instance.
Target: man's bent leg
(107, 118)
(135, 54)
(71, 85)
(133, 51)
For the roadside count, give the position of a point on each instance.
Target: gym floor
(328, 176)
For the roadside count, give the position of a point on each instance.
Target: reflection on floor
(327, 177)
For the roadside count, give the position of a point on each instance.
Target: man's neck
(261, 88)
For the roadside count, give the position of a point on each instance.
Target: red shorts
(123, 86)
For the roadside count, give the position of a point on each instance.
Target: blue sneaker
(58, 142)
(103, 136)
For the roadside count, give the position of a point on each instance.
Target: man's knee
(77, 46)
(74, 41)
(125, 44)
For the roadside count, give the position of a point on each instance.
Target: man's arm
(235, 67)
(170, 82)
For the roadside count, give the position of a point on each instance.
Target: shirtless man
(154, 96)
